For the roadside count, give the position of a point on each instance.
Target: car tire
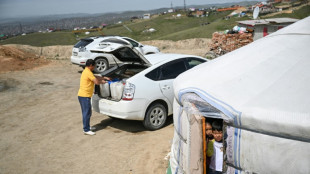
(114, 118)
(101, 65)
(149, 53)
(155, 117)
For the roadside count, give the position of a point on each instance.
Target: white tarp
(263, 91)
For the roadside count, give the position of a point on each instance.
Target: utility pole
(171, 5)
(184, 5)
(20, 28)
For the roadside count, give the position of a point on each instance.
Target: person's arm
(107, 78)
(99, 80)
(103, 78)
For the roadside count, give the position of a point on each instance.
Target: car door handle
(165, 87)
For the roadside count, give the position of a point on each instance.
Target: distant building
(229, 8)
(264, 8)
(103, 25)
(200, 13)
(239, 11)
(263, 27)
(197, 13)
(170, 10)
(283, 7)
(147, 16)
(279, 1)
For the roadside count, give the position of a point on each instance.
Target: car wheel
(114, 118)
(149, 53)
(155, 117)
(101, 65)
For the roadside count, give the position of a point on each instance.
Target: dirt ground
(12, 59)
(41, 125)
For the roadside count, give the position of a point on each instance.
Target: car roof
(100, 38)
(166, 57)
(114, 39)
(107, 36)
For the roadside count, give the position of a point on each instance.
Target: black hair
(217, 125)
(209, 120)
(90, 62)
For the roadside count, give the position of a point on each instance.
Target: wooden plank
(204, 145)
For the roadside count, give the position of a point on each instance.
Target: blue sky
(18, 8)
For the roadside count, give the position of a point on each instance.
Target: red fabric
(265, 32)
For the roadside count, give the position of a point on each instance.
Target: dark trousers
(86, 112)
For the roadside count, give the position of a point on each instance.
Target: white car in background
(93, 48)
(142, 89)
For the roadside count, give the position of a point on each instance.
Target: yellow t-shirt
(86, 83)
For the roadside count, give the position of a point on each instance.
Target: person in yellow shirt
(85, 93)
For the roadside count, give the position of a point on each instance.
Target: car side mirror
(141, 46)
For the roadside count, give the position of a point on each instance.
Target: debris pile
(224, 43)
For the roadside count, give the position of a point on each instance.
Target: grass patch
(301, 13)
(43, 39)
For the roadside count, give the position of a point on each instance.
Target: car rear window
(126, 54)
(153, 75)
(135, 44)
(167, 71)
(125, 71)
(192, 62)
(114, 40)
(83, 43)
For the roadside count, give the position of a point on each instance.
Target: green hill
(168, 27)
(301, 13)
(43, 39)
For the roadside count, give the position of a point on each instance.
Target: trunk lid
(124, 53)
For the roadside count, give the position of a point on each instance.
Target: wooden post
(204, 144)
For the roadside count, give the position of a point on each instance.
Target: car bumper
(128, 110)
(78, 60)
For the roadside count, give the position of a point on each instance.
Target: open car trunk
(113, 90)
(134, 62)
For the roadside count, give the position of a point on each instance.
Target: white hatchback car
(91, 48)
(143, 89)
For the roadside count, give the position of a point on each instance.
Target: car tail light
(129, 91)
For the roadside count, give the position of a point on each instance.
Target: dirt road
(41, 128)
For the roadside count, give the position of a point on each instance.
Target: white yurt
(262, 93)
